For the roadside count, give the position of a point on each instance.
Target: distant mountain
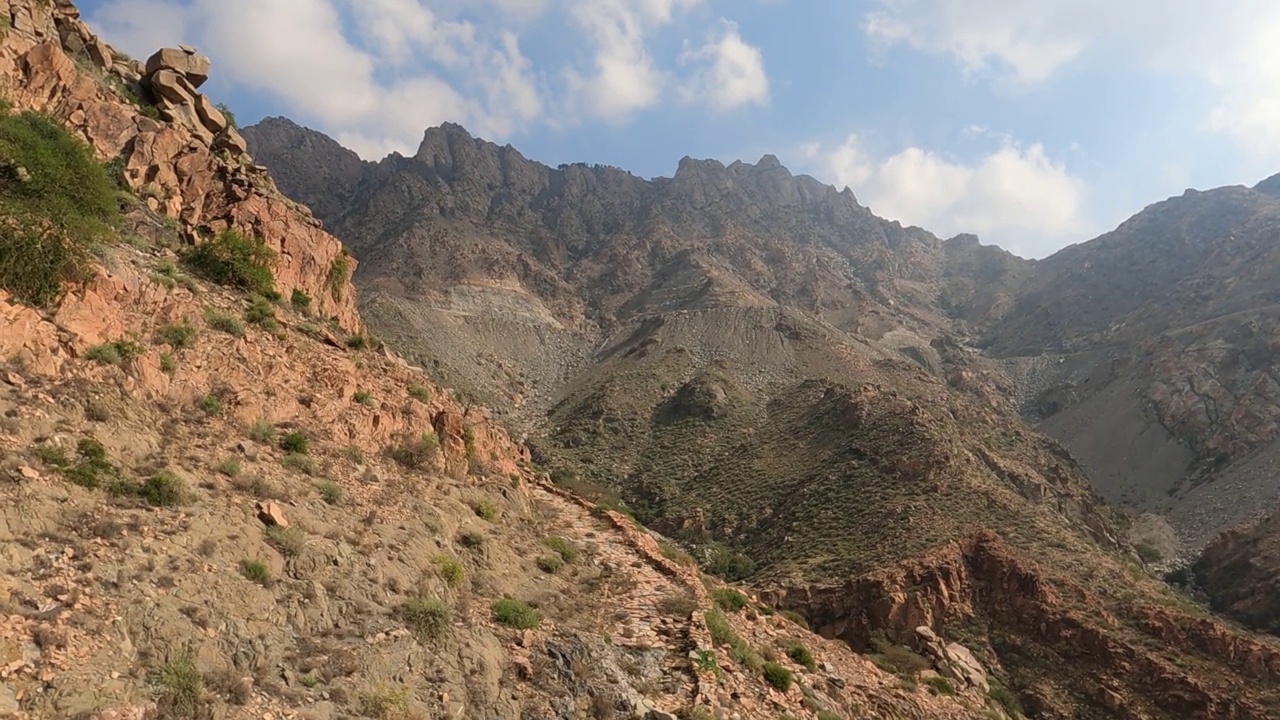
(767, 372)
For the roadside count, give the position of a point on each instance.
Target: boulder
(100, 53)
(210, 116)
(171, 87)
(183, 61)
(270, 513)
(231, 141)
(967, 667)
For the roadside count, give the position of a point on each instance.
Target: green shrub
(179, 335)
(114, 353)
(300, 300)
(363, 397)
(777, 676)
(729, 564)
(234, 260)
(228, 115)
(339, 271)
(181, 689)
(801, 655)
(223, 322)
(230, 467)
(562, 547)
(262, 432)
(515, 614)
(56, 201)
(550, 563)
(728, 599)
(304, 464)
(1148, 553)
(940, 686)
(718, 626)
(167, 363)
(897, 658)
(450, 570)
(486, 510)
(164, 489)
(678, 605)
(210, 404)
(359, 342)
(420, 392)
(52, 456)
(295, 442)
(1002, 697)
(255, 570)
(290, 541)
(330, 492)
(385, 703)
(417, 453)
(261, 312)
(429, 618)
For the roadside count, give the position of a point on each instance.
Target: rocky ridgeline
(173, 146)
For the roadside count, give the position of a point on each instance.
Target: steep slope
(216, 504)
(1166, 332)
(765, 371)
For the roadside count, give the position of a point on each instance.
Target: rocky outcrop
(1240, 572)
(189, 164)
(1130, 661)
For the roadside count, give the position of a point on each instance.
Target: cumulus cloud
(624, 78)
(729, 73)
(1014, 196)
(401, 69)
(1233, 46)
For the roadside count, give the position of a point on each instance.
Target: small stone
(29, 472)
(8, 702)
(14, 379)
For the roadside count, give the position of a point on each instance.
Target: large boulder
(182, 60)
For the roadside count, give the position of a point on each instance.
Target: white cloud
(625, 78)
(1015, 196)
(730, 72)
(376, 90)
(1234, 46)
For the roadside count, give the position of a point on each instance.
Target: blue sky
(1034, 126)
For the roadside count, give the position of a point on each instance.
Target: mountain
(791, 387)
(1165, 338)
(223, 499)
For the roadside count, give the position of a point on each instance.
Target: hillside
(760, 368)
(224, 500)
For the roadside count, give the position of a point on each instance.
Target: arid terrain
(287, 434)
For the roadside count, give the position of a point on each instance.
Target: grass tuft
(515, 614)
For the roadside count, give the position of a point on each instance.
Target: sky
(1034, 125)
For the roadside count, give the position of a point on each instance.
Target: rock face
(188, 164)
(1240, 572)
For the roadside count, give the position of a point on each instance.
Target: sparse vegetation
(385, 703)
(180, 688)
(415, 454)
(678, 605)
(728, 599)
(801, 655)
(429, 618)
(234, 260)
(777, 676)
(339, 271)
(295, 442)
(362, 397)
(330, 492)
(562, 547)
(228, 115)
(897, 658)
(223, 322)
(178, 335)
(515, 614)
(304, 464)
(113, 353)
(359, 342)
(210, 404)
(163, 489)
(56, 201)
(262, 432)
(486, 510)
(828, 715)
(290, 541)
(796, 618)
(729, 564)
(255, 570)
(229, 467)
(1148, 553)
(550, 563)
(1003, 698)
(262, 313)
(450, 570)
(300, 301)
(940, 686)
(420, 393)
(167, 364)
